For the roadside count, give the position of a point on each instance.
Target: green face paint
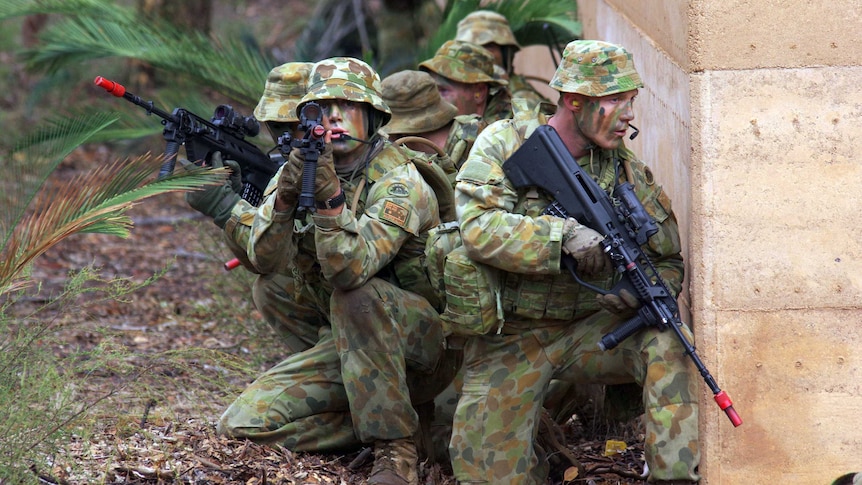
(605, 120)
(343, 116)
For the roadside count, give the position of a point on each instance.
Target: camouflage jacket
(462, 135)
(503, 226)
(499, 105)
(237, 230)
(465, 130)
(520, 88)
(381, 231)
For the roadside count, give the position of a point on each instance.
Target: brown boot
(394, 463)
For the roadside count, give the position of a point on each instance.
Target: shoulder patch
(648, 176)
(394, 213)
(398, 190)
(480, 172)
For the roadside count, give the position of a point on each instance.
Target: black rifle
(544, 161)
(225, 132)
(310, 145)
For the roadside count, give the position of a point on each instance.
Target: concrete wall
(752, 119)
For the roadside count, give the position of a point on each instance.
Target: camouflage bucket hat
(345, 78)
(463, 62)
(595, 68)
(285, 86)
(484, 27)
(415, 103)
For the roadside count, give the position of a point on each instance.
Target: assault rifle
(225, 132)
(310, 145)
(544, 161)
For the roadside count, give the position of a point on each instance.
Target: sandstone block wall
(752, 119)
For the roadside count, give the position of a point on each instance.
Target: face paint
(343, 116)
(604, 120)
(461, 95)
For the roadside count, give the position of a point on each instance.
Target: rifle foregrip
(306, 194)
(624, 331)
(252, 194)
(167, 168)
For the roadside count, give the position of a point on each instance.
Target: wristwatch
(332, 202)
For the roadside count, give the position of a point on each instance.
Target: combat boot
(394, 463)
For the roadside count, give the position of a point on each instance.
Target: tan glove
(326, 183)
(289, 181)
(582, 243)
(625, 305)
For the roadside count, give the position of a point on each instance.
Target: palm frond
(532, 20)
(33, 159)
(95, 202)
(230, 66)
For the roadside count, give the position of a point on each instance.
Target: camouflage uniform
(462, 136)
(379, 344)
(469, 63)
(273, 292)
(415, 103)
(417, 108)
(484, 27)
(552, 324)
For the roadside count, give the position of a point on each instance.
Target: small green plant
(39, 390)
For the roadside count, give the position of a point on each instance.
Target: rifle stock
(544, 161)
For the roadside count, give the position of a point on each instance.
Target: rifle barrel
(118, 90)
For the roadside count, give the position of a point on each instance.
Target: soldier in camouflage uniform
(491, 30)
(356, 258)
(273, 292)
(284, 87)
(432, 124)
(551, 323)
(465, 76)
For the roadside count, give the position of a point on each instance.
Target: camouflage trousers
(507, 376)
(357, 384)
(298, 315)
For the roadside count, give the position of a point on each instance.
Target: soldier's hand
(625, 305)
(216, 201)
(326, 183)
(290, 180)
(582, 243)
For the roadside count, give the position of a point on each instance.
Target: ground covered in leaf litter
(159, 425)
